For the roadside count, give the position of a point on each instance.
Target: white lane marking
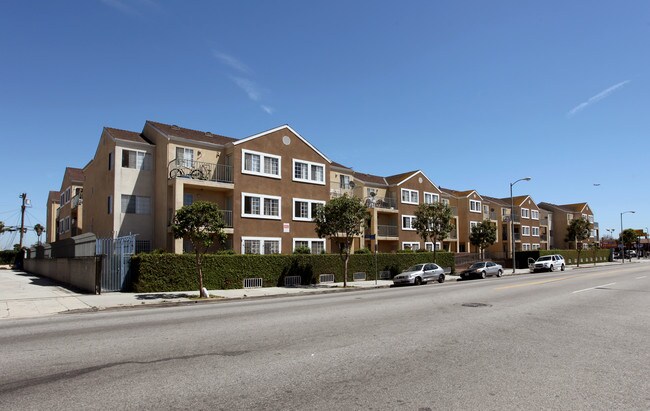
(592, 288)
(638, 278)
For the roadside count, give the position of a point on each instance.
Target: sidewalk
(24, 295)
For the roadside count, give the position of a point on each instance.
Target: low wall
(83, 273)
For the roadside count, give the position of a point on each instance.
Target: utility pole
(22, 218)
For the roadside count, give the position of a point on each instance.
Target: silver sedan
(420, 274)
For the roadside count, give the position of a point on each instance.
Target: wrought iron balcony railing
(199, 170)
(387, 230)
(381, 202)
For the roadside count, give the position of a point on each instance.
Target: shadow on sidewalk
(157, 296)
(47, 282)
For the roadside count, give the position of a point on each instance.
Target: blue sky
(476, 94)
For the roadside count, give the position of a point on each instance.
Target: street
(562, 340)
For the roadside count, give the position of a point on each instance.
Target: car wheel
(483, 275)
(417, 281)
(551, 268)
(441, 278)
(562, 267)
(499, 273)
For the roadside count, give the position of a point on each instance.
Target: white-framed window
(407, 222)
(410, 196)
(525, 213)
(590, 219)
(593, 233)
(316, 245)
(139, 160)
(474, 206)
(260, 206)
(534, 214)
(65, 196)
(64, 225)
(261, 164)
(304, 209)
(261, 245)
(525, 230)
(407, 245)
(308, 172)
(430, 198)
(525, 247)
(185, 157)
(534, 246)
(429, 246)
(569, 217)
(535, 231)
(136, 204)
(445, 201)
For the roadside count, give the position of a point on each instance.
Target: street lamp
(512, 221)
(611, 232)
(623, 249)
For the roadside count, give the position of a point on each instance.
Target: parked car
(482, 269)
(630, 253)
(420, 274)
(548, 263)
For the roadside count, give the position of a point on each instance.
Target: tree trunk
(345, 270)
(434, 248)
(200, 273)
(578, 258)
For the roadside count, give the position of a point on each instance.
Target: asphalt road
(573, 340)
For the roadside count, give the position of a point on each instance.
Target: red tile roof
(369, 178)
(398, 178)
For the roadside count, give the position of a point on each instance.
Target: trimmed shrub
(364, 250)
(8, 256)
(177, 272)
(571, 256)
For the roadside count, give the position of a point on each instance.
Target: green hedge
(7, 256)
(177, 272)
(586, 256)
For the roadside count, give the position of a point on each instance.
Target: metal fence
(253, 283)
(292, 280)
(117, 254)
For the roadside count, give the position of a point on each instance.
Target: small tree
(39, 231)
(433, 222)
(483, 235)
(200, 223)
(342, 218)
(579, 230)
(628, 237)
(2, 227)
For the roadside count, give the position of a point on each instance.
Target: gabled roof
(457, 193)
(189, 134)
(554, 207)
(76, 174)
(577, 207)
(339, 165)
(499, 201)
(287, 127)
(126, 135)
(371, 179)
(519, 200)
(53, 197)
(399, 179)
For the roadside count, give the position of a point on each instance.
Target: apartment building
(67, 219)
(560, 216)
(268, 187)
(51, 219)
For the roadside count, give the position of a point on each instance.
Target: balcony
(453, 235)
(543, 237)
(381, 202)
(77, 200)
(227, 218)
(344, 189)
(515, 218)
(387, 231)
(199, 170)
(517, 237)
(489, 215)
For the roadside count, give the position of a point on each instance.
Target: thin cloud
(596, 98)
(267, 109)
(232, 62)
(120, 6)
(249, 88)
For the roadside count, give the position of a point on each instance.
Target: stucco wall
(83, 273)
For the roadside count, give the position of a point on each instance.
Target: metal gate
(117, 254)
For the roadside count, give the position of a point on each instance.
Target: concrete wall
(83, 273)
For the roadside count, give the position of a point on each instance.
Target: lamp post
(512, 221)
(623, 249)
(611, 232)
